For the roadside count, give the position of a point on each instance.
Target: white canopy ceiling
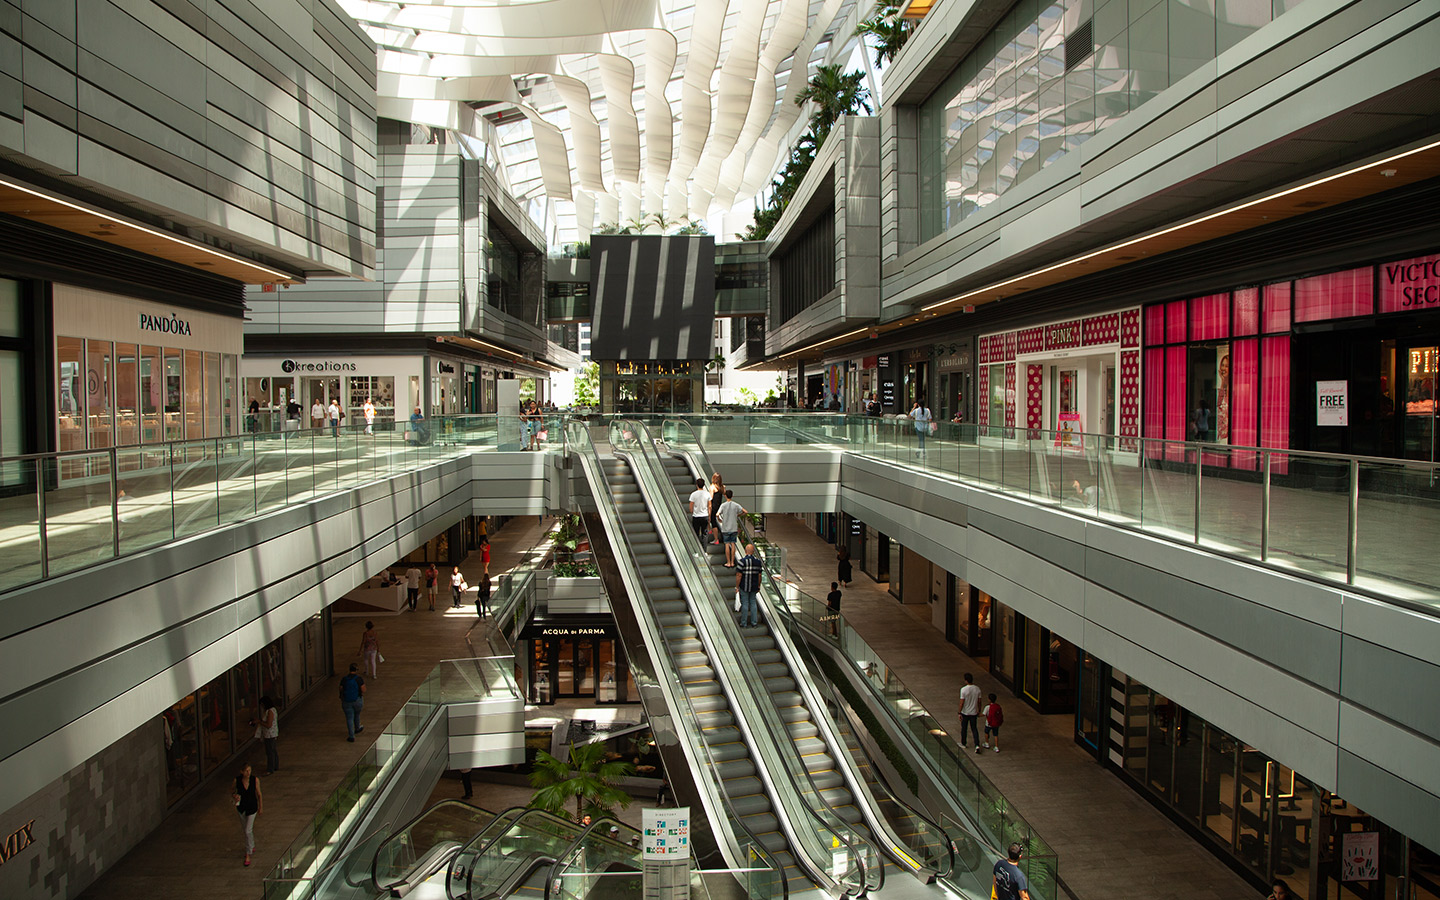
(628, 107)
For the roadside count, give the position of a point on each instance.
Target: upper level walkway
(1337, 519)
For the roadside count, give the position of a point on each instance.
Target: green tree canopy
(586, 777)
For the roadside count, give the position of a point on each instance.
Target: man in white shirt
(970, 710)
(728, 515)
(317, 414)
(412, 595)
(369, 415)
(700, 509)
(335, 418)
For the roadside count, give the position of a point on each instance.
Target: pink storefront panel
(1335, 295)
(1247, 311)
(1210, 317)
(1244, 398)
(1177, 414)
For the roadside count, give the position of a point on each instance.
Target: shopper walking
(369, 409)
(832, 606)
(729, 518)
(352, 701)
(334, 412)
(432, 584)
(845, 571)
(482, 597)
(970, 710)
(700, 509)
(249, 803)
(747, 585)
(457, 588)
(921, 416)
(412, 587)
(717, 497)
(268, 727)
(1007, 881)
(994, 718)
(317, 414)
(370, 650)
(485, 554)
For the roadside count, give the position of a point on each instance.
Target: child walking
(994, 718)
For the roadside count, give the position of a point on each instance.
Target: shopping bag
(379, 657)
(737, 601)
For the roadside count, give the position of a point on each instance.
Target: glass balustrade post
(114, 503)
(255, 473)
(174, 513)
(218, 517)
(1352, 533)
(1264, 505)
(1199, 470)
(40, 476)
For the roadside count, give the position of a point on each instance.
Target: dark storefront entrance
(576, 660)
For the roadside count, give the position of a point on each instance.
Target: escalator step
(773, 670)
(750, 805)
(741, 767)
(778, 685)
(744, 787)
(828, 780)
(765, 656)
(803, 730)
(762, 825)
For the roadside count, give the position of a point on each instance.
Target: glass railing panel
(1232, 506)
(1309, 513)
(449, 822)
(605, 862)
(531, 835)
(236, 468)
(1167, 503)
(1120, 482)
(271, 463)
(79, 516)
(1398, 499)
(21, 556)
(146, 508)
(197, 505)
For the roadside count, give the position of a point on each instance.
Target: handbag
(379, 657)
(737, 601)
(934, 427)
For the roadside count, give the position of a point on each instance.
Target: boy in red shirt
(994, 718)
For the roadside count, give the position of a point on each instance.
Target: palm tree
(661, 222)
(587, 777)
(887, 32)
(835, 94)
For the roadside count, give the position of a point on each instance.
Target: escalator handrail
(897, 728)
(512, 825)
(502, 820)
(405, 829)
(796, 647)
(562, 860)
(740, 834)
(828, 827)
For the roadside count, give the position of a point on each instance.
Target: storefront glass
(649, 386)
(99, 382)
(214, 413)
(152, 394)
(70, 393)
(203, 732)
(1002, 661)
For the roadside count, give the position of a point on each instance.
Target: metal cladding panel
(653, 296)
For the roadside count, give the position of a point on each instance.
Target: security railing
(61, 512)
(1324, 516)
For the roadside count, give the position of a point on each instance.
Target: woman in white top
(457, 588)
(369, 416)
(921, 415)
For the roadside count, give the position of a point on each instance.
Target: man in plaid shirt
(747, 584)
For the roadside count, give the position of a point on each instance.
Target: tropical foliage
(887, 34)
(655, 223)
(587, 778)
(587, 385)
(835, 94)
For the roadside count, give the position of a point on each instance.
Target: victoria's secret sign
(1412, 284)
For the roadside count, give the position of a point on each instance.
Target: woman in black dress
(845, 572)
(249, 804)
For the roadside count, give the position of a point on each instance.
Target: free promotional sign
(667, 833)
(1332, 403)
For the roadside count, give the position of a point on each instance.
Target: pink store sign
(1411, 284)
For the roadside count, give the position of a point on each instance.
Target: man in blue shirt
(747, 583)
(1009, 882)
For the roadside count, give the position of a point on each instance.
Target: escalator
(780, 684)
(834, 758)
(735, 767)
